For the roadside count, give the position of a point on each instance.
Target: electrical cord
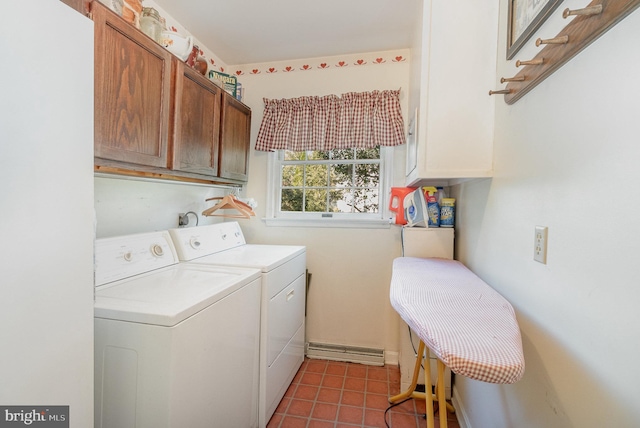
(184, 218)
(424, 416)
(415, 352)
(391, 407)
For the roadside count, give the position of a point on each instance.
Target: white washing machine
(176, 345)
(283, 270)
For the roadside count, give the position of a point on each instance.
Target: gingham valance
(353, 120)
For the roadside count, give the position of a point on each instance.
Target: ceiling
(255, 31)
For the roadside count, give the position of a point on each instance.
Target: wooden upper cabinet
(132, 92)
(195, 129)
(81, 6)
(155, 115)
(234, 139)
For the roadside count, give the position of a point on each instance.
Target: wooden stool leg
(414, 382)
(443, 406)
(427, 390)
(442, 402)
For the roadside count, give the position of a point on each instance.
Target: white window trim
(381, 221)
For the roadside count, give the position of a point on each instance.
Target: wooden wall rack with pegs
(587, 25)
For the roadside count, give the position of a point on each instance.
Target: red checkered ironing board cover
(463, 321)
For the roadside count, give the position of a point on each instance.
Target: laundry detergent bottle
(433, 208)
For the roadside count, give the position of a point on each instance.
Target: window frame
(275, 217)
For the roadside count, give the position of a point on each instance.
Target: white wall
(566, 157)
(351, 269)
(46, 174)
(125, 206)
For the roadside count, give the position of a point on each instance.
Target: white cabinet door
(455, 68)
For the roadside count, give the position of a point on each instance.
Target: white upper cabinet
(451, 116)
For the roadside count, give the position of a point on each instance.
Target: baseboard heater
(352, 354)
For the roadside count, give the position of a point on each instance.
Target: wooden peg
(537, 61)
(555, 41)
(512, 79)
(590, 10)
(500, 92)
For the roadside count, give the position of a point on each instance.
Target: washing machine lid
(167, 296)
(263, 257)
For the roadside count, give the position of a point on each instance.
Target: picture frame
(525, 17)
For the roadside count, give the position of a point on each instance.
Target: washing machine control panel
(124, 256)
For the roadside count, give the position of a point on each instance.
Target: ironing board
(465, 323)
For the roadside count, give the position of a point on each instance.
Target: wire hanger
(229, 202)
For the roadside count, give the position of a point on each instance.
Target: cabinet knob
(555, 41)
(589, 10)
(536, 61)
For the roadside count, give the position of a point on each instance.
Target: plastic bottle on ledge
(440, 194)
(447, 212)
(433, 209)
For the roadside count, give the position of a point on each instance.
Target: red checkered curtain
(353, 120)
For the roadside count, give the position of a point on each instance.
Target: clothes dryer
(283, 268)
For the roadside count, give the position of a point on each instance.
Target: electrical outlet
(540, 244)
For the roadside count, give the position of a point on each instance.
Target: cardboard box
(225, 81)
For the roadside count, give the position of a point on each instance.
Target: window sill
(334, 223)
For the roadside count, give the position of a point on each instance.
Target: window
(328, 157)
(337, 188)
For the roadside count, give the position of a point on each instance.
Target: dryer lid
(263, 257)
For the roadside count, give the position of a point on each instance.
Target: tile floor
(336, 394)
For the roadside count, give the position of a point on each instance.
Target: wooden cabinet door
(132, 92)
(234, 139)
(195, 122)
